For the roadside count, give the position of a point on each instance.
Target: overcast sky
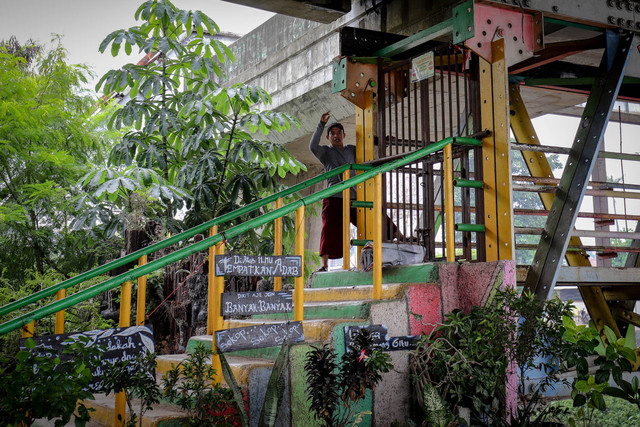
(85, 23)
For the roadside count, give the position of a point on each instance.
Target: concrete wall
(458, 286)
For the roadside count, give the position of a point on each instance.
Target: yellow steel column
(496, 156)
(504, 199)
(298, 295)
(488, 162)
(346, 223)
(218, 320)
(125, 321)
(142, 294)
(449, 219)
(538, 166)
(277, 244)
(59, 327)
(364, 153)
(377, 237)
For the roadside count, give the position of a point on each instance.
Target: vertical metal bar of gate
(411, 115)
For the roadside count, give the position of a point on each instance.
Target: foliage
(330, 385)
(618, 413)
(436, 410)
(48, 136)
(45, 386)
(83, 316)
(614, 357)
(136, 378)
(189, 386)
(28, 51)
(467, 358)
(189, 142)
(273, 395)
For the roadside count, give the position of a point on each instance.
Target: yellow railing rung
(277, 244)
(377, 237)
(298, 296)
(59, 327)
(449, 220)
(125, 321)
(346, 223)
(28, 329)
(141, 303)
(212, 272)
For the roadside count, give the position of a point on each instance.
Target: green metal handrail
(234, 231)
(133, 256)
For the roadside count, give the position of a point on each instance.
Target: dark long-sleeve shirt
(332, 157)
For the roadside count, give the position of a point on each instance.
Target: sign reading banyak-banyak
(253, 265)
(117, 344)
(259, 336)
(248, 303)
(379, 338)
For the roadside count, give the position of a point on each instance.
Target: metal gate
(413, 114)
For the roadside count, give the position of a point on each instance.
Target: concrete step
(353, 293)
(415, 273)
(241, 366)
(328, 310)
(104, 410)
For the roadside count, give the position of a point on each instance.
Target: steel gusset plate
(566, 204)
(522, 32)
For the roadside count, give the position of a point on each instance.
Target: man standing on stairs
(331, 157)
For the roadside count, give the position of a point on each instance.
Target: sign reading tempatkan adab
(253, 265)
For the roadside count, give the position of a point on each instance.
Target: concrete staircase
(334, 300)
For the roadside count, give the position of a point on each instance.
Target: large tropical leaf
(275, 388)
(235, 388)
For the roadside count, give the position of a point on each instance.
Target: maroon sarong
(331, 236)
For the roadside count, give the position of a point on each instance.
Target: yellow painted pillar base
(377, 238)
(120, 413)
(59, 326)
(298, 292)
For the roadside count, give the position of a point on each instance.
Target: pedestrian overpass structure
(403, 74)
(440, 99)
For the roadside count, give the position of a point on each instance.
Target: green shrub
(41, 386)
(618, 413)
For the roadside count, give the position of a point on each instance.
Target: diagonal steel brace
(566, 204)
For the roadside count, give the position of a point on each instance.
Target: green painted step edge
(414, 273)
(337, 311)
(268, 353)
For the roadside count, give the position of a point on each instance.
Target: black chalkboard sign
(117, 344)
(264, 266)
(247, 303)
(259, 336)
(379, 338)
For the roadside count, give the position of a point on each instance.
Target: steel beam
(564, 210)
(602, 13)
